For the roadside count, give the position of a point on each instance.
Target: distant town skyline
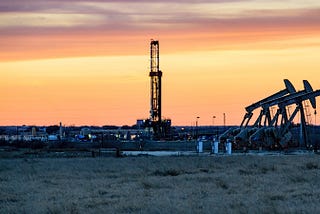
(87, 62)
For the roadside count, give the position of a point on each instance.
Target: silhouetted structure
(277, 130)
(161, 128)
(155, 77)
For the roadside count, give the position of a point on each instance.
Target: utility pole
(213, 129)
(197, 127)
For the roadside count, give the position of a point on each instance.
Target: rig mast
(161, 127)
(155, 76)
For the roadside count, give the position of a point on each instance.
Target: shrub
(221, 183)
(311, 165)
(169, 172)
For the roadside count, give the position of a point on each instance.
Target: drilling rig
(161, 128)
(155, 83)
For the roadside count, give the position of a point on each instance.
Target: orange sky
(87, 62)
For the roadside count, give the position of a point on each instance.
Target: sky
(86, 62)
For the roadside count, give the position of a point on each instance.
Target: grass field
(194, 184)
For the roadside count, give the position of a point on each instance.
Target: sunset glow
(87, 62)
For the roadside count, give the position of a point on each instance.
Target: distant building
(34, 132)
(140, 124)
(85, 131)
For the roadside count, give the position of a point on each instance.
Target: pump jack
(274, 130)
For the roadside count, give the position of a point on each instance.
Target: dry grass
(235, 184)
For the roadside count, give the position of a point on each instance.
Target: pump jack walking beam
(288, 90)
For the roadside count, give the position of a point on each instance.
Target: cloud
(75, 26)
(65, 5)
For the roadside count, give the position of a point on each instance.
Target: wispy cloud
(38, 5)
(64, 25)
